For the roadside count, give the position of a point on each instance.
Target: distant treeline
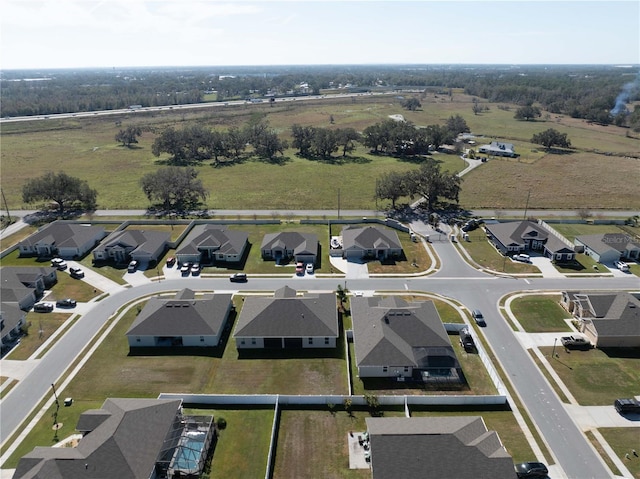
(595, 93)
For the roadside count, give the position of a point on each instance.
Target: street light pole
(553, 353)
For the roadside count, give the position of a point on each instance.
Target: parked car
(59, 263)
(238, 278)
(185, 269)
(43, 307)
(66, 303)
(531, 469)
(309, 268)
(133, 266)
(622, 266)
(299, 268)
(476, 314)
(195, 269)
(627, 406)
(575, 342)
(525, 258)
(171, 260)
(76, 273)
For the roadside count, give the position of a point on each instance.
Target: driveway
(546, 268)
(351, 269)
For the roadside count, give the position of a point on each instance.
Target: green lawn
(623, 440)
(41, 327)
(540, 313)
(596, 377)
(486, 255)
(571, 230)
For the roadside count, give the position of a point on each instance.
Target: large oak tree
(174, 188)
(62, 189)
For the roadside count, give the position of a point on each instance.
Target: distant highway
(191, 106)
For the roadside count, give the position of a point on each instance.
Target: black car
(238, 278)
(627, 406)
(66, 303)
(531, 469)
(478, 317)
(43, 307)
(76, 273)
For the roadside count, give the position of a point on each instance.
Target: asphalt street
(456, 279)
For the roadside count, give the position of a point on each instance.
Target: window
(242, 341)
(138, 339)
(384, 369)
(202, 339)
(253, 341)
(310, 340)
(326, 341)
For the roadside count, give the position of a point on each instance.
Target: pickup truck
(575, 342)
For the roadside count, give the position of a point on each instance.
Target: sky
(38, 34)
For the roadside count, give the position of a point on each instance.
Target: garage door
(273, 343)
(291, 343)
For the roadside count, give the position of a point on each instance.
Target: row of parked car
(46, 307)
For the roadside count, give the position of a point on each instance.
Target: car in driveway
(171, 260)
(309, 268)
(238, 278)
(195, 269)
(59, 264)
(523, 258)
(133, 266)
(531, 469)
(575, 342)
(627, 406)
(299, 268)
(185, 269)
(76, 273)
(478, 317)
(43, 307)
(622, 266)
(66, 303)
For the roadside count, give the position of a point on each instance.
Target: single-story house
(524, 236)
(182, 321)
(212, 243)
(608, 247)
(12, 318)
(24, 285)
(67, 240)
(445, 447)
(498, 148)
(370, 242)
(144, 246)
(397, 339)
(289, 245)
(608, 319)
(287, 320)
(127, 439)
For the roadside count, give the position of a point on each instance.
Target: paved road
(456, 279)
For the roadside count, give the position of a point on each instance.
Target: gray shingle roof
(299, 243)
(124, 446)
(142, 241)
(287, 315)
(223, 240)
(182, 316)
(443, 447)
(614, 314)
(64, 235)
(370, 237)
(391, 331)
(514, 233)
(601, 243)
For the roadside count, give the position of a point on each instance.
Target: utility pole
(526, 206)
(4, 200)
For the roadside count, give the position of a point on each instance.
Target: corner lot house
(609, 247)
(609, 320)
(127, 439)
(397, 339)
(287, 320)
(181, 321)
(498, 148)
(209, 244)
(67, 240)
(287, 245)
(443, 447)
(524, 236)
(370, 242)
(123, 246)
(25, 285)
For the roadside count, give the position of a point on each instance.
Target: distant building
(498, 148)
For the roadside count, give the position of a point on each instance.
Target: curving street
(575, 457)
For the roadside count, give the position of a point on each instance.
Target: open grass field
(86, 148)
(572, 230)
(597, 377)
(540, 313)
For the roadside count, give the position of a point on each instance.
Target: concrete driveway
(351, 269)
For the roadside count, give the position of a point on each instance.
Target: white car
(309, 268)
(525, 258)
(622, 266)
